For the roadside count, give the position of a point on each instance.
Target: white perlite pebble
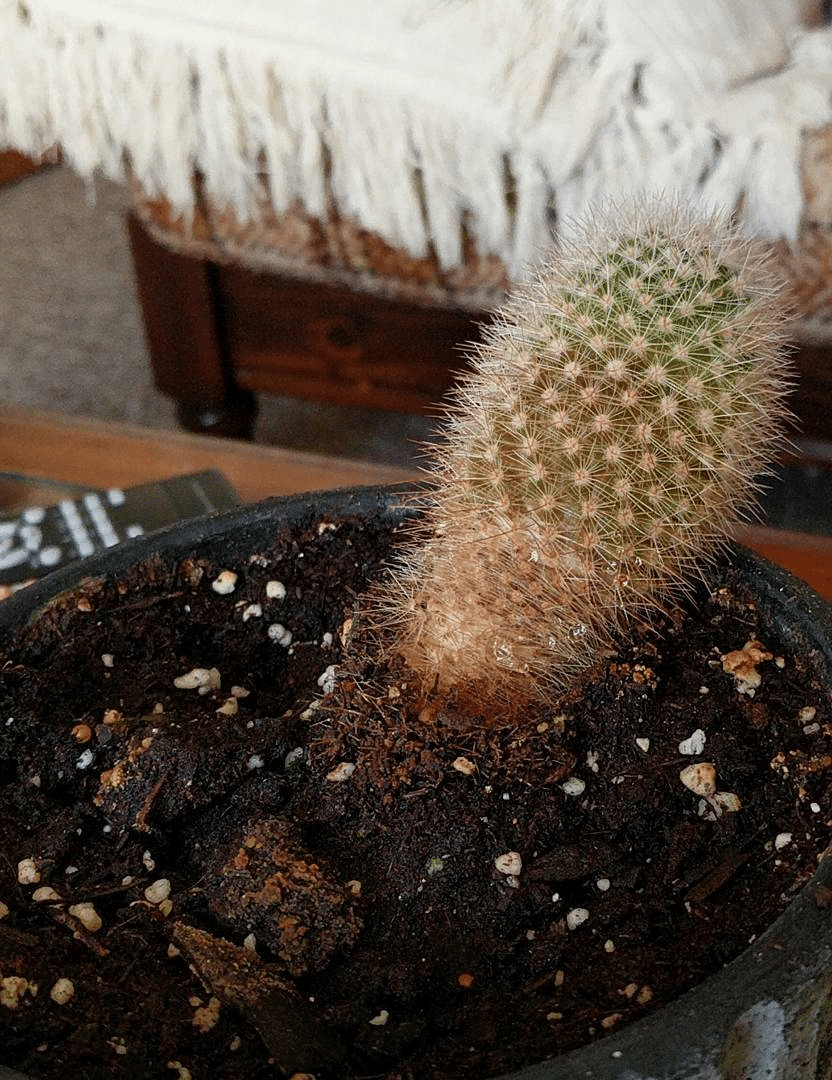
(198, 678)
(643, 744)
(326, 680)
(574, 786)
(782, 840)
(87, 916)
(280, 635)
(341, 772)
(12, 989)
(46, 894)
(576, 917)
(464, 765)
(509, 863)
(253, 611)
(293, 757)
(275, 590)
(381, 1019)
(107, 659)
(27, 872)
(694, 744)
(157, 891)
(603, 884)
(62, 991)
(85, 760)
(225, 582)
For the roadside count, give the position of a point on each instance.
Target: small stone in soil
(87, 916)
(700, 778)
(27, 872)
(45, 894)
(576, 917)
(12, 989)
(343, 771)
(62, 991)
(510, 863)
(280, 635)
(197, 679)
(225, 582)
(85, 760)
(694, 744)
(158, 891)
(742, 664)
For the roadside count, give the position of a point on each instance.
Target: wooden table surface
(96, 454)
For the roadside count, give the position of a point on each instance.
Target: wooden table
(95, 454)
(98, 454)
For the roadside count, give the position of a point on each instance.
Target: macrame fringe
(426, 121)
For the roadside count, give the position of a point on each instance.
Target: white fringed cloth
(424, 119)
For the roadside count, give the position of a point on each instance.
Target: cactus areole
(612, 430)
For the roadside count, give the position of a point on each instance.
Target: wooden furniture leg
(14, 166)
(179, 300)
(219, 334)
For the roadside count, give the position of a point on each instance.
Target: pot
(766, 1014)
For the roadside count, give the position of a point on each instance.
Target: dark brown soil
(354, 885)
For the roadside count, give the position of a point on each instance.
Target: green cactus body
(608, 437)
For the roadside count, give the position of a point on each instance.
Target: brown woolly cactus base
(229, 884)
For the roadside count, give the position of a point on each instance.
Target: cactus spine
(608, 437)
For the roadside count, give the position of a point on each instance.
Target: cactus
(609, 436)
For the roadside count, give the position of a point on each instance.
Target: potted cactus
(614, 428)
(524, 773)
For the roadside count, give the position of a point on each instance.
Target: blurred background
(72, 338)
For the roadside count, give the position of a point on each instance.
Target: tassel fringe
(428, 121)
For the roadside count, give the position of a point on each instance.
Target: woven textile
(425, 120)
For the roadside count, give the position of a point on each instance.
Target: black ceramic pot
(765, 1016)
